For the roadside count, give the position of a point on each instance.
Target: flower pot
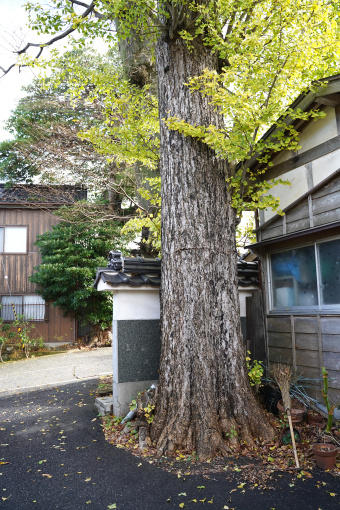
(325, 455)
(297, 411)
(315, 419)
(285, 436)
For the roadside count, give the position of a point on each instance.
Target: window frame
(3, 252)
(305, 309)
(22, 305)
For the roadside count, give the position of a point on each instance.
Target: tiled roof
(248, 273)
(137, 265)
(137, 272)
(40, 194)
(116, 279)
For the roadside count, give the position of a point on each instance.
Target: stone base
(123, 393)
(103, 405)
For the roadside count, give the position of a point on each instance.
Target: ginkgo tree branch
(89, 10)
(96, 13)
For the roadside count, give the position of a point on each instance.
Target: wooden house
(26, 211)
(300, 251)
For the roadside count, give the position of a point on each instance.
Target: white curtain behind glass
(34, 307)
(7, 310)
(1, 239)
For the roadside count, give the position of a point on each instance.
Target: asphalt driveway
(46, 371)
(53, 455)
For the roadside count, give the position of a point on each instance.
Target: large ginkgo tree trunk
(205, 400)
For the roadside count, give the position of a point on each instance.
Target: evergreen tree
(71, 254)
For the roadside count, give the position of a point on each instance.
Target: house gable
(319, 154)
(319, 207)
(300, 251)
(29, 210)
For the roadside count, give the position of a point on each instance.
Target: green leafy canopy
(71, 255)
(269, 51)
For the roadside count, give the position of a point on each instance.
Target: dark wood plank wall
(319, 208)
(19, 267)
(298, 218)
(307, 343)
(58, 328)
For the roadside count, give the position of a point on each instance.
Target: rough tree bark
(99, 336)
(204, 394)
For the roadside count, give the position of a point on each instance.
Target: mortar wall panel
(136, 304)
(289, 193)
(138, 350)
(318, 131)
(325, 166)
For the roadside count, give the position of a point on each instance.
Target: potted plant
(315, 419)
(325, 455)
(286, 436)
(297, 410)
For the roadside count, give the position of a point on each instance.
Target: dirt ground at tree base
(259, 465)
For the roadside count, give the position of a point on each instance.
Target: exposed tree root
(208, 441)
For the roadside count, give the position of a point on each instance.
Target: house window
(306, 277)
(13, 239)
(33, 307)
(329, 256)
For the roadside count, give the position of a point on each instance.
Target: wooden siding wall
(19, 267)
(319, 208)
(308, 343)
(57, 329)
